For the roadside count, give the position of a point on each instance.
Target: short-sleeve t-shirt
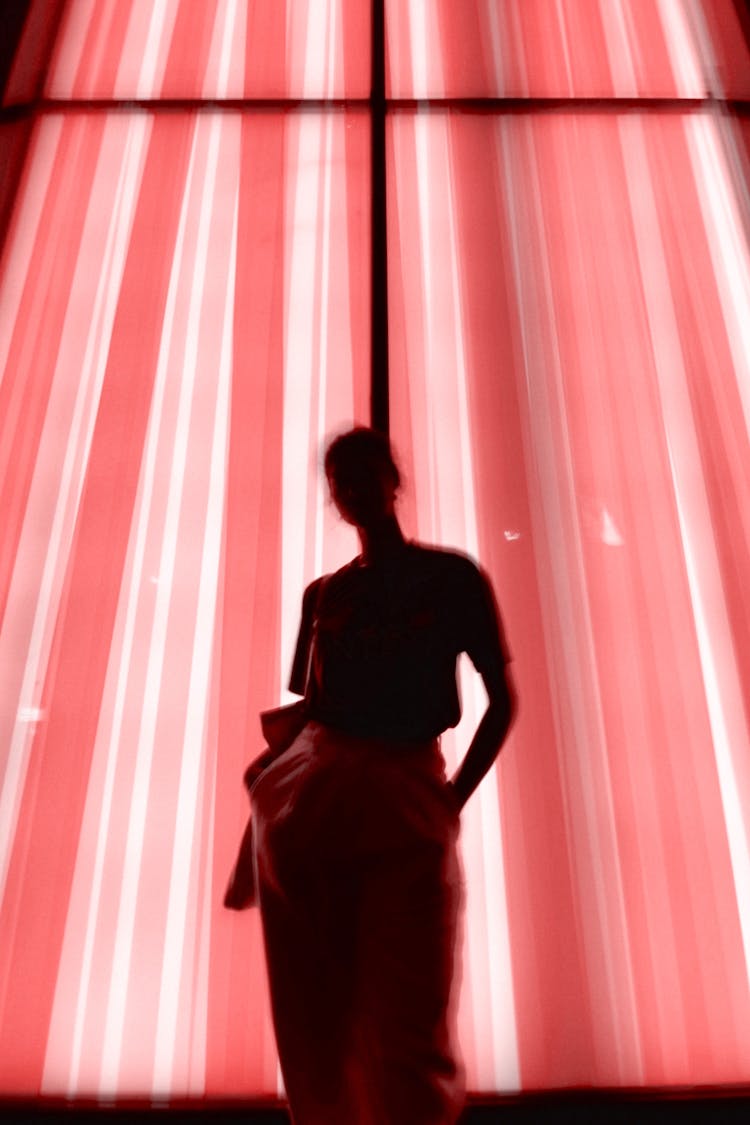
(378, 645)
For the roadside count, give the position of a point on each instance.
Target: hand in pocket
(241, 891)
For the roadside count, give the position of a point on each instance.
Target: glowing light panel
(570, 388)
(173, 49)
(538, 48)
(186, 316)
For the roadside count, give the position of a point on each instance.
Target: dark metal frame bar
(379, 398)
(374, 104)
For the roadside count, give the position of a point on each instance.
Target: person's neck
(381, 542)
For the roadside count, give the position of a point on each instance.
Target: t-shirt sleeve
(483, 633)
(301, 660)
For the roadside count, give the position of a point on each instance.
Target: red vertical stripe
(188, 50)
(252, 564)
(101, 50)
(356, 79)
(56, 783)
(30, 367)
(265, 49)
(541, 896)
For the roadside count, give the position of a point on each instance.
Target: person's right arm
(490, 735)
(485, 642)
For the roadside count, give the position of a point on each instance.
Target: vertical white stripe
(199, 1040)
(619, 55)
(71, 478)
(421, 139)
(198, 692)
(315, 52)
(153, 54)
(727, 243)
(629, 32)
(23, 232)
(217, 72)
(516, 48)
(720, 672)
(682, 50)
(422, 50)
(300, 370)
(497, 1016)
(228, 38)
(569, 636)
(325, 283)
(452, 519)
(117, 997)
(326, 172)
(82, 428)
(723, 697)
(562, 31)
(496, 50)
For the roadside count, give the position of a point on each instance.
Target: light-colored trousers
(361, 896)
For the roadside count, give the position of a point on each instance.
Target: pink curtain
(569, 387)
(184, 318)
(212, 49)
(574, 48)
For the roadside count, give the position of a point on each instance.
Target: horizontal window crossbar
(494, 105)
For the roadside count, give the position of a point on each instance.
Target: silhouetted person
(358, 878)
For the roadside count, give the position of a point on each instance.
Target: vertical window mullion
(379, 262)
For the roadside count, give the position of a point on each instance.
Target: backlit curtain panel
(558, 48)
(185, 316)
(212, 49)
(570, 392)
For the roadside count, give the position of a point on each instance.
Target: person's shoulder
(448, 561)
(329, 582)
(312, 591)
(312, 587)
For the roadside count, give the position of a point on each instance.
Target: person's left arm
(484, 640)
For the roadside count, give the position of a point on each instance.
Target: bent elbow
(512, 705)
(504, 708)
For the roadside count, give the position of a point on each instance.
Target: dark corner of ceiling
(28, 29)
(742, 8)
(13, 15)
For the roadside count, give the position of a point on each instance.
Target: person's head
(362, 475)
